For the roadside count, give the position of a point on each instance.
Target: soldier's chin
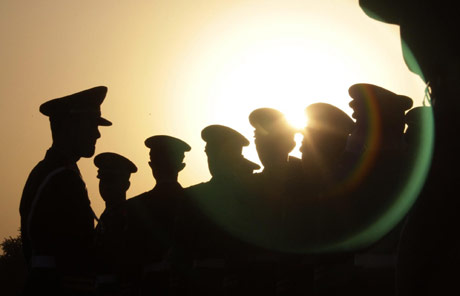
(88, 152)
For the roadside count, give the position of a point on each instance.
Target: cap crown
(328, 118)
(367, 97)
(220, 134)
(114, 163)
(167, 147)
(268, 121)
(85, 103)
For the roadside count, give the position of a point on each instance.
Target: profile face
(264, 150)
(270, 148)
(111, 187)
(86, 133)
(222, 160)
(215, 163)
(307, 150)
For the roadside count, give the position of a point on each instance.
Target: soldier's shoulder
(136, 208)
(55, 182)
(197, 192)
(196, 187)
(45, 170)
(64, 180)
(138, 199)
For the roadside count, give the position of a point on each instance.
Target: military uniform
(379, 189)
(111, 249)
(57, 222)
(208, 240)
(274, 139)
(152, 218)
(323, 146)
(217, 217)
(114, 172)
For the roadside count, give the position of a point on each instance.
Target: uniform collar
(57, 155)
(167, 183)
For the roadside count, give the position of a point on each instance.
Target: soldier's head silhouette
(166, 156)
(326, 134)
(75, 120)
(380, 112)
(274, 137)
(224, 147)
(114, 172)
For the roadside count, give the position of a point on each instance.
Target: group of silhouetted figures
(295, 228)
(337, 221)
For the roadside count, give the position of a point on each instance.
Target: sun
(287, 74)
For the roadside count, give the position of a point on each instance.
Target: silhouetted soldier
(152, 215)
(379, 115)
(323, 148)
(274, 140)
(224, 147)
(378, 137)
(380, 122)
(220, 215)
(309, 214)
(114, 173)
(376, 145)
(57, 221)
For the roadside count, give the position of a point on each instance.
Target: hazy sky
(173, 67)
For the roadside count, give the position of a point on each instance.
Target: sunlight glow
(285, 61)
(174, 67)
(285, 70)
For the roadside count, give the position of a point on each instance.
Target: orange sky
(173, 67)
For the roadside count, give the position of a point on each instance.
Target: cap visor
(104, 122)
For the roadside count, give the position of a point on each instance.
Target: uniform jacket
(56, 216)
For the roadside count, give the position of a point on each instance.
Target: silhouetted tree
(12, 266)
